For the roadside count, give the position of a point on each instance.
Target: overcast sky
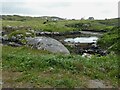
(99, 9)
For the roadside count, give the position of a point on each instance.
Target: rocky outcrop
(47, 43)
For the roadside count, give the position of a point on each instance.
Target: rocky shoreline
(75, 48)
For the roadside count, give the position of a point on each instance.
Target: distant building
(54, 19)
(73, 19)
(51, 18)
(91, 18)
(106, 19)
(44, 17)
(82, 19)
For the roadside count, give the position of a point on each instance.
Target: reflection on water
(82, 40)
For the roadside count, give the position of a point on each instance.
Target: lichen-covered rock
(47, 43)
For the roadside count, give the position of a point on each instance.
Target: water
(82, 40)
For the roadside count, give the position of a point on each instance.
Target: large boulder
(47, 43)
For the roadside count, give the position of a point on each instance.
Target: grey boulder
(47, 43)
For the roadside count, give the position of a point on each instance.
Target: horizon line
(58, 16)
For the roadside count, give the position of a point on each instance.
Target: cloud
(61, 8)
(14, 7)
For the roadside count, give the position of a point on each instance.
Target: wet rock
(47, 43)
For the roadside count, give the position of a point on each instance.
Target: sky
(70, 9)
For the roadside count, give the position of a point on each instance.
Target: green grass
(38, 25)
(43, 69)
(60, 25)
(57, 26)
(110, 40)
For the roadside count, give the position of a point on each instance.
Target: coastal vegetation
(28, 67)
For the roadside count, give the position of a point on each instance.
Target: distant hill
(22, 18)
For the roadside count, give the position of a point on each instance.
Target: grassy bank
(111, 40)
(24, 67)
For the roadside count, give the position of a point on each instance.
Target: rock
(47, 43)
(1, 39)
(5, 37)
(31, 30)
(14, 44)
(56, 33)
(87, 55)
(19, 36)
(98, 84)
(27, 33)
(13, 38)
